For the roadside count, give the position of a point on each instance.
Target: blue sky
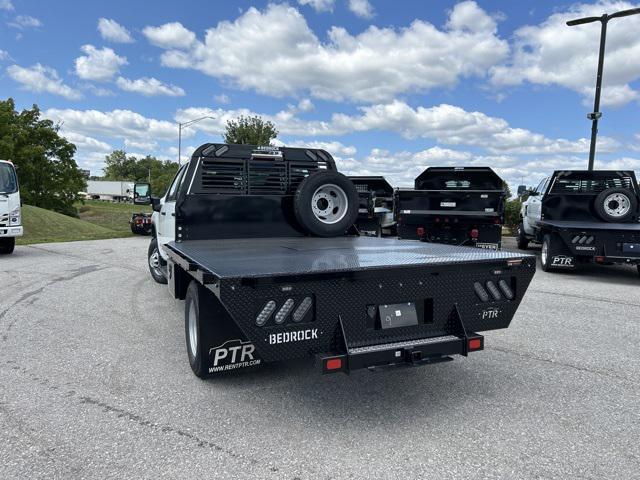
(387, 87)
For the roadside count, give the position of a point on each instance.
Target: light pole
(596, 114)
(186, 124)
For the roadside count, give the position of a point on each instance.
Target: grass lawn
(97, 220)
(114, 216)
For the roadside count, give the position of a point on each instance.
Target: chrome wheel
(545, 253)
(193, 330)
(329, 204)
(154, 262)
(617, 205)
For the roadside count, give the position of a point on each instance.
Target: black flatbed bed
(590, 225)
(267, 257)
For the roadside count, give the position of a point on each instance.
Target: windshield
(8, 180)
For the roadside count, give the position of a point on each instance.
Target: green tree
(250, 131)
(512, 214)
(49, 176)
(120, 167)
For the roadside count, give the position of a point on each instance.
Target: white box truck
(10, 214)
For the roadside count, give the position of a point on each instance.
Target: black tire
(7, 245)
(156, 264)
(335, 208)
(551, 246)
(616, 205)
(521, 239)
(195, 348)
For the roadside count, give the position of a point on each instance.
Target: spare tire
(326, 204)
(616, 205)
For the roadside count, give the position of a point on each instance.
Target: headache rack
(242, 170)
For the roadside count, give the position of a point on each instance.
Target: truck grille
(4, 220)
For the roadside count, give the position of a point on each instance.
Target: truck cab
(10, 208)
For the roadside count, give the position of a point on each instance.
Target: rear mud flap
(225, 347)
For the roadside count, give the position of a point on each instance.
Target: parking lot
(95, 383)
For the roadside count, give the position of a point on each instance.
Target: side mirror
(142, 194)
(522, 189)
(155, 204)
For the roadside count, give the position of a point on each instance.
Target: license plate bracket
(398, 315)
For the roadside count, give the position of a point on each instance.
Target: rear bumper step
(410, 353)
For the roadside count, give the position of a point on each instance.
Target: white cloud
(552, 53)
(84, 142)
(222, 99)
(305, 105)
(375, 65)
(446, 124)
(319, 5)
(335, 148)
(4, 55)
(6, 5)
(362, 8)
(170, 35)
(122, 124)
(114, 32)
(98, 64)
(39, 78)
(148, 146)
(25, 21)
(149, 87)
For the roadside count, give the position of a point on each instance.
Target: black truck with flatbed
(375, 211)
(270, 268)
(583, 216)
(453, 205)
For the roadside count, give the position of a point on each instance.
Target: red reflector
(420, 231)
(474, 233)
(475, 344)
(599, 259)
(333, 364)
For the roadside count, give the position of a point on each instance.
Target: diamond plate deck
(267, 257)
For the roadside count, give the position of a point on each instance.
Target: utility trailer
(583, 216)
(268, 273)
(375, 210)
(453, 205)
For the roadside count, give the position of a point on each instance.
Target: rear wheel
(521, 239)
(155, 262)
(192, 330)
(552, 246)
(7, 245)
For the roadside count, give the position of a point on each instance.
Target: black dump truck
(375, 210)
(453, 205)
(582, 216)
(264, 255)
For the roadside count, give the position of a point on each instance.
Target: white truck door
(166, 225)
(534, 207)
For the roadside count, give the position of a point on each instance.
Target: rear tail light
(420, 231)
(495, 293)
(265, 313)
(496, 221)
(284, 311)
(474, 344)
(302, 309)
(599, 259)
(334, 364)
(481, 292)
(506, 289)
(474, 233)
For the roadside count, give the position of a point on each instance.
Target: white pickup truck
(10, 215)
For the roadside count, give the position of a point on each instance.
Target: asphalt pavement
(95, 383)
